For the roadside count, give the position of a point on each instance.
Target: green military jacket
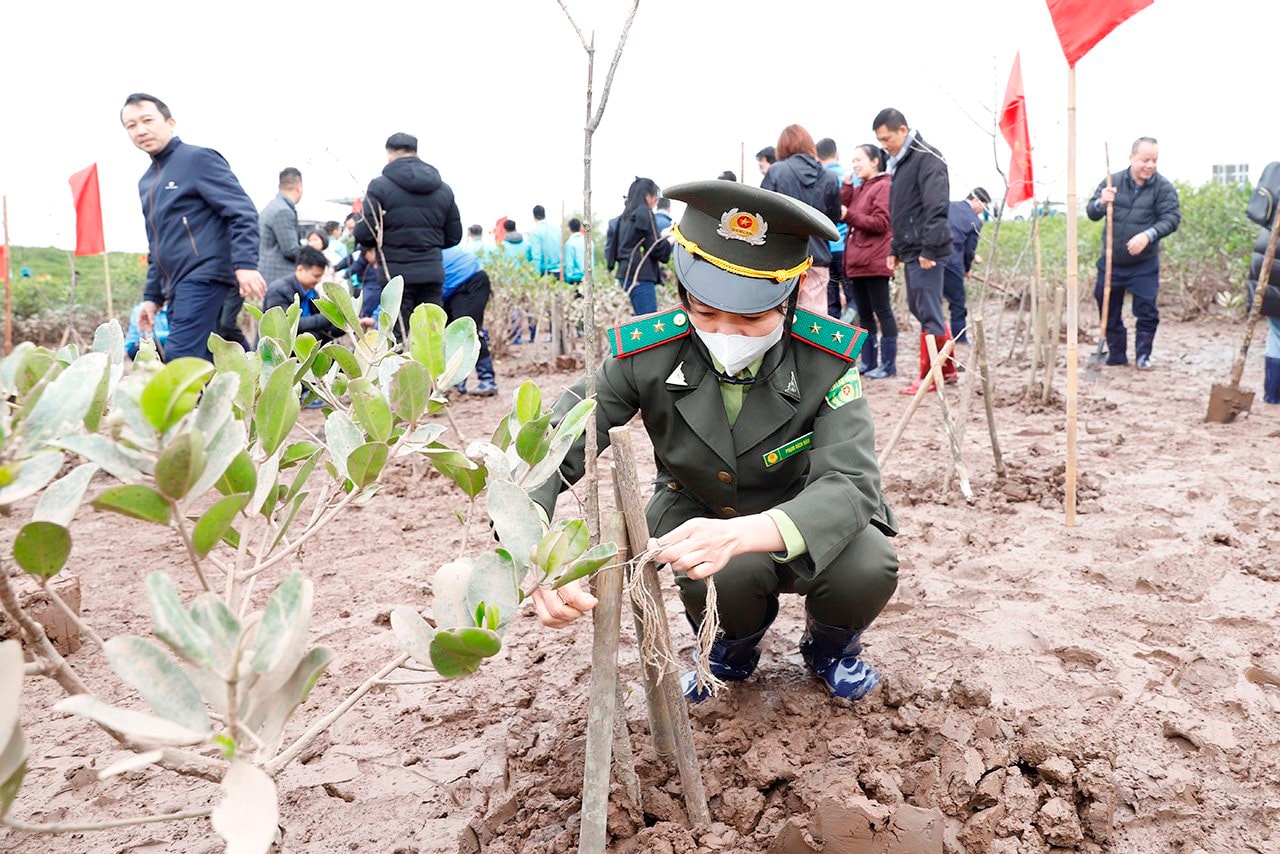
(799, 444)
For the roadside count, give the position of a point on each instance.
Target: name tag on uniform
(788, 450)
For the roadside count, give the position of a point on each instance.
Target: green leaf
(592, 560)
(365, 463)
(217, 403)
(159, 680)
(98, 405)
(344, 358)
(172, 623)
(461, 350)
(413, 633)
(389, 303)
(172, 393)
(372, 411)
(331, 312)
(215, 522)
(13, 756)
(275, 324)
(459, 651)
(410, 389)
(42, 548)
(426, 337)
(146, 729)
(493, 583)
(108, 338)
(181, 465)
(552, 551)
(66, 401)
(240, 476)
(11, 674)
(249, 811)
(567, 432)
(278, 407)
(534, 440)
(282, 634)
(420, 438)
(304, 346)
(297, 452)
(288, 520)
(211, 614)
(230, 358)
(115, 459)
(321, 364)
(342, 436)
(60, 501)
(449, 587)
(341, 298)
(304, 472)
(528, 402)
(515, 519)
(136, 502)
(265, 494)
(277, 708)
(578, 533)
(470, 476)
(29, 477)
(221, 454)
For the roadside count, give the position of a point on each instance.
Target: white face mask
(735, 352)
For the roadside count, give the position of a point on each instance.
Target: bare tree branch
(613, 65)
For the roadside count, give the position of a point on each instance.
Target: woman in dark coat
(866, 258)
(638, 250)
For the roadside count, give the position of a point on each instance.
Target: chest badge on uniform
(740, 225)
(846, 389)
(677, 376)
(788, 450)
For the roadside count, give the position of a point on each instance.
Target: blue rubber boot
(832, 653)
(1271, 380)
(732, 659)
(869, 361)
(888, 366)
(486, 386)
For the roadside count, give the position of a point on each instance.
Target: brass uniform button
(725, 477)
(672, 485)
(729, 511)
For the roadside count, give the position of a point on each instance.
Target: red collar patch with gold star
(644, 333)
(826, 333)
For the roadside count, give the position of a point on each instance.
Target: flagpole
(1073, 303)
(106, 275)
(8, 302)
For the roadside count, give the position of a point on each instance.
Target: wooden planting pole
(911, 410)
(962, 417)
(602, 707)
(667, 691)
(980, 340)
(953, 441)
(1052, 364)
(1036, 320)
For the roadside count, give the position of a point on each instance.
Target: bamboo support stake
(962, 417)
(1073, 307)
(980, 340)
(911, 410)
(1036, 323)
(624, 765)
(1052, 364)
(670, 695)
(606, 618)
(953, 441)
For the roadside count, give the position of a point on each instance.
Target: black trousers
(875, 311)
(469, 300)
(416, 294)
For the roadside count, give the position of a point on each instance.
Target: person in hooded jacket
(638, 249)
(798, 174)
(415, 214)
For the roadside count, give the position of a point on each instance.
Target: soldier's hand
(701, 547)
(1138, 243)
(252, 285)
(558, 608)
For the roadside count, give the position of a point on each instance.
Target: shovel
(1227, 402)
(1100, 355)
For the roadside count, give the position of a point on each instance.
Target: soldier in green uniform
(766, 467)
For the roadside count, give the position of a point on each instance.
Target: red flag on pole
(1081, 24)
(88, 202)
(4, 263)
(1013, 124)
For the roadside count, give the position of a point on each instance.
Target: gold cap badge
(739, 225)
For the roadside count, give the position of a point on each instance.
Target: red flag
(1013, 124)
(4, 263)
(1081, 24)
(88, 202)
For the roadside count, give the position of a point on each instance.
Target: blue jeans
(194, 311)
(1273, 338)
(644, 297)
(924, 296)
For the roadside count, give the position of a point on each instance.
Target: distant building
(1231, 173)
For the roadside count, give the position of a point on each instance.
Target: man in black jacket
(919, 197)
(1145, 211)
(412, 215)
(301, 284)
(202, 230)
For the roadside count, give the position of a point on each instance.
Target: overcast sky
(494, 92)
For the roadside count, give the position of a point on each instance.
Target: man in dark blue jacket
(412, 215)
(965, 219)
(1145, 211)
(202, 230)
(301, 284)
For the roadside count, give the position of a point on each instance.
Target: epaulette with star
(647, 332)
(826, 333)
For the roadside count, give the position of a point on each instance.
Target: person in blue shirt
(466, 292)
(159, 332)
(574, 251)
(966, 223)
(544, 244)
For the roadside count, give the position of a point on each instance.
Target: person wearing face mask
(766, 469)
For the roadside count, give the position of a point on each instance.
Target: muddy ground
(1107, 687)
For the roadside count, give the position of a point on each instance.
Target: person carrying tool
(1145, 210)
(766, 468)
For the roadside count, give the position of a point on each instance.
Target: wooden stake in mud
(695, 795)
(911, 410)
(602, 708)
(980, 340)
(1073, 305)
(953, 441)
(1036, 340)
(1052, 364)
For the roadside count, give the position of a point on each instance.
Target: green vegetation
(48, 289)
